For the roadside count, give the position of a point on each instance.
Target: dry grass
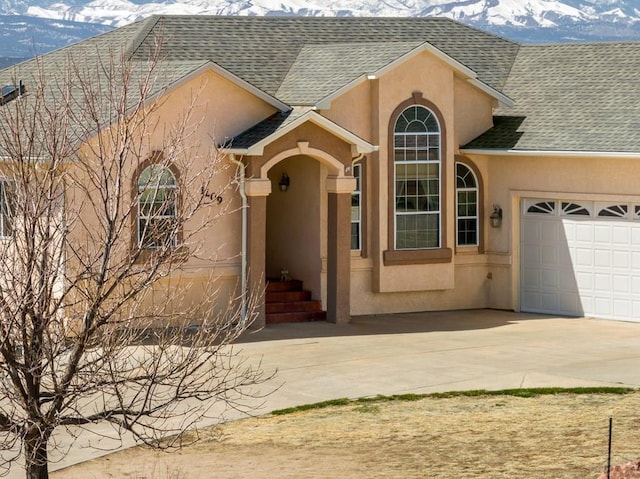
(556, 436)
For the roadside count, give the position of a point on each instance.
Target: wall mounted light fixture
(284, 182)
(496, 216)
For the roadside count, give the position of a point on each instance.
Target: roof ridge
(289, 67)
(513, 62)
(578, 43)
(146, 26)
(477, 29)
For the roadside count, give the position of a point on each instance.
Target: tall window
(5, 208)
(157, 203)
(356, 210)
(417, 179)
(466, 206)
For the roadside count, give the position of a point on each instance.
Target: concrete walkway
(429, 352)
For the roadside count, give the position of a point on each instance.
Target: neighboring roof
(570, 97)
(253, 141)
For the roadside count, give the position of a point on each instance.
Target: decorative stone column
(257, 191)
(339, 191)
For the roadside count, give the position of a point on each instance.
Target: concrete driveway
(444, 351)
(431, 352)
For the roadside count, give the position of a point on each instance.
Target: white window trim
(147, 218)
(396, 213)
(357, 173)
(475, 189)
(5, 229)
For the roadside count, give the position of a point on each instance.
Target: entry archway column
(257, 191)
(339, 191)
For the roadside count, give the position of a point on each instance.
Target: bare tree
(104, 315)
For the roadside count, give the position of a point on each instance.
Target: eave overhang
(550, 153)
(358, 145)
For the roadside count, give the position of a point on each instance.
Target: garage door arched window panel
(417, 176)
(466, 206)
(613, 211)
(157, 207)
(541, 207)
(574, 209)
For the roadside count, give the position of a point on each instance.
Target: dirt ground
(561, 436)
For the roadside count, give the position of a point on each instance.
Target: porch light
(284, 182)
(496, 217)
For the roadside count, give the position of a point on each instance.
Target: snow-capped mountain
(59, 22)
(519, 13)
(23, 36)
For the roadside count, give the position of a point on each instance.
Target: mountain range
(28, 27)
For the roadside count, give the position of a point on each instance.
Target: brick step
(296, 317)
(288, 302)
(287, 296)
(293, 307)
(274, 285)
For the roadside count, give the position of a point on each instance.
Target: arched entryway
(296, 223)
(298, 228)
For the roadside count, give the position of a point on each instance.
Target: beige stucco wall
(473, 112)
(224, 108)
(217, 109)
(471, 291)
(353, 110)
(221, 110)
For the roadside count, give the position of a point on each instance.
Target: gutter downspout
(356, 159)
(245, 206)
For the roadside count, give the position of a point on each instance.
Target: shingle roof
(266, 128)
(578, 97)
(320, 70)
(92, 64)
(263, 50)
(570, 97)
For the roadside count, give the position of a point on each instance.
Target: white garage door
(580, 258)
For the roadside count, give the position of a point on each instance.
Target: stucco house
(411, 164)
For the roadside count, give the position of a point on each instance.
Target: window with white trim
(157, 207)
(356, 210)
(417, 176)
(466, 206)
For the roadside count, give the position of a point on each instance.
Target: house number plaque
(212, 197)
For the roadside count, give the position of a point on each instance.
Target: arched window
(157, 207)
(417, 171)
(467, 224)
